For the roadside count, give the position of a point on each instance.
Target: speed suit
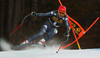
(50, 25)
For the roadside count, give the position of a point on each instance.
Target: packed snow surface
(47, 52)
(51, 53)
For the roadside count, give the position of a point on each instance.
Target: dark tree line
(12, 13)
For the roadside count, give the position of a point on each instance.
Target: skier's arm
(42, 14)
(67, 33)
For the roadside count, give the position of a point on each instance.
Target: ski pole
(59, 47)
(19, 25)
(62, 44)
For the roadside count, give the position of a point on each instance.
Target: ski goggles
(61, 13)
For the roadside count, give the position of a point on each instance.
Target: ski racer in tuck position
(56, 18)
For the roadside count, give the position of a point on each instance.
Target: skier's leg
(52, 32)
(42, 31)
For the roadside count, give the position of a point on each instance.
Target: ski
(37, 45)
(21, 46)
(24, 45)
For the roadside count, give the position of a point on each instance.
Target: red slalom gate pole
(92, 24)
(60, 2)
(81, 35)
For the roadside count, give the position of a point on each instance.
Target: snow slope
(48, 52)
(51, 53)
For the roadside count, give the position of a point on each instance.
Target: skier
(57, 17)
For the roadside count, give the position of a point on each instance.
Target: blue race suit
(50, 25)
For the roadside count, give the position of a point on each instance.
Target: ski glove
(33, 13)
(67, 35)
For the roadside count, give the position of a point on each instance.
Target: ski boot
(41, 42)
(26, 41)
